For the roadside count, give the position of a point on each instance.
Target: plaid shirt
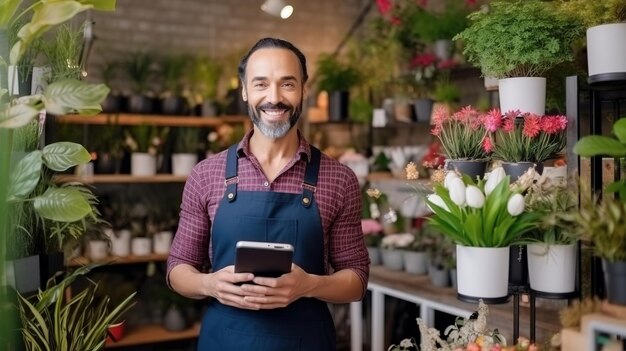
(338, 198)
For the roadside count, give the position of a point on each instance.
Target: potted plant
(204, 77)
(108, 144)
(109, 72)
(186, 146)
(173, 72)
(20, 74)
(553, 245)
(440, 253)
(336, 78)
(524, 140)
(606, 25)
(145, 142)
(63, 54)
(138, 67)
(517, 41)
(392, 250)
(483, 219)
(416, 253)
(464, 138)
(53, 320)
(372, 235)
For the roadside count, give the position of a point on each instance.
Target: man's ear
(244, 95)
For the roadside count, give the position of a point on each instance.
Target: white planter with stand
(183, 163)
(143, 164)
(482, 273)
(526, 94)
(606, 51)
(552, 268)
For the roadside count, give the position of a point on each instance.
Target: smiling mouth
(274, 112)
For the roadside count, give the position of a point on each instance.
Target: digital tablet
(263, 259)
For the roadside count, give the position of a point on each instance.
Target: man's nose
(273, 95)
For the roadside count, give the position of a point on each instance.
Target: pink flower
(395, 21)
(371, 226)
(508, 124)
(423, 60)
(487, 145)
(446, 64)
(493, 120)
(532, 125)
(384, 6)
(553, 124)
(513, 114)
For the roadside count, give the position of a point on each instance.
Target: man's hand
(222, 285)
(269, 293)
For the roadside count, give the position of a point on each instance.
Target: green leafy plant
(594, 13)
(204, 77)
(187, 140)
(63, 53)
(334, 75)
(146, 138)
(522, 38)
(446, 24)
(139, 69)
(53, 322)
(173, 69)
(446, 92)
(463, 134)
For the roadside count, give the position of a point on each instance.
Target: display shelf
(115, 260)
(159, 120)
(151, 334)
(119, 178)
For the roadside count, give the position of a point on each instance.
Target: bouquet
(526, 137)
(463, 135)
(490, 213)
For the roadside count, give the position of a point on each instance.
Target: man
(273, 186)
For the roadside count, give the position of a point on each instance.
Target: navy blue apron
(306, 324)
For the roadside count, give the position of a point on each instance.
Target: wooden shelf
(158, 120)
(81, 261)
(120, 178)
(149, 334)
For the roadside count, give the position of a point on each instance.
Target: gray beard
(275, 130)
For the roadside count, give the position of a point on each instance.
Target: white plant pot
(443, 49)
(183, 163)
(392, 259)
(374, 254)
(97, 250)
(163, 242)
(141, 246)
(415, 262)
(142, 164)
(606, 50)
(526, 94)
(552, 268)
(482, 273)
(120, 241)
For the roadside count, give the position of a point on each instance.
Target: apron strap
(309, 186)
(231, 177)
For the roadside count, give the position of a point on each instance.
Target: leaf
(102, 5)
(64, 154)
(26, 175)
(619, 129)
(7, 10)
(66, 204)
(17, 116)
(595, 145)
(73, 96)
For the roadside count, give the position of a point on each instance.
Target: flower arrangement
(490, 213)
(466, 334)
(463, 135)
(526, 137)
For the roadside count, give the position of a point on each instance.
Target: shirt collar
(304, 148)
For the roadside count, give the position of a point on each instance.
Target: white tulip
(449, 176)
(515, 206)
(474, 197)
(495, 177)
(457, 191)
(436, 200)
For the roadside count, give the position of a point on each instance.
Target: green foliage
(445, 25)
(139, 69)
(51, 321)
(334, 75)
(146, 138)
(187, 140)
(594, 13)
(446, 92)
(173, 69)
(521, 38)
(63, 53)
(204, 77)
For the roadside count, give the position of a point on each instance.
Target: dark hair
(273, 43)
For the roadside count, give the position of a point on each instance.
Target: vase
(606, 52)
(517, 169)
(473, 168)
(143, 164)
(374, 254)
(552, 268)
(615, 280)
(392, 259)
(415, 262)
(518, 266)
(526, 94)
(183, 163)
(482, 273)
(423, 109)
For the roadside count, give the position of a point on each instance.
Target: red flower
(487, 145)
(493, 120)
(532, 125)
(446, 64)
(553, 124)
(423, 60)
(384, 6)
(508, 123)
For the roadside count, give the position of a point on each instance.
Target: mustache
(278, 106)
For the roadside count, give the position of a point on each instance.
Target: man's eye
(289, 85)
(259, 85)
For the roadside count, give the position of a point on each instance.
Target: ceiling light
(277, 8)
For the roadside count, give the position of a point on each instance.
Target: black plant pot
(107, 164)
(423, 109)
(338, 102)
(473, 168)
(140, 104)
(29, 274)
(112, 104)
(174, 105)
(615, 278)
(517, 169)
(518, 266)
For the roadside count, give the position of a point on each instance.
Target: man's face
(273, 90)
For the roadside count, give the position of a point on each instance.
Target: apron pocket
(248, 341)
(276, 230)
